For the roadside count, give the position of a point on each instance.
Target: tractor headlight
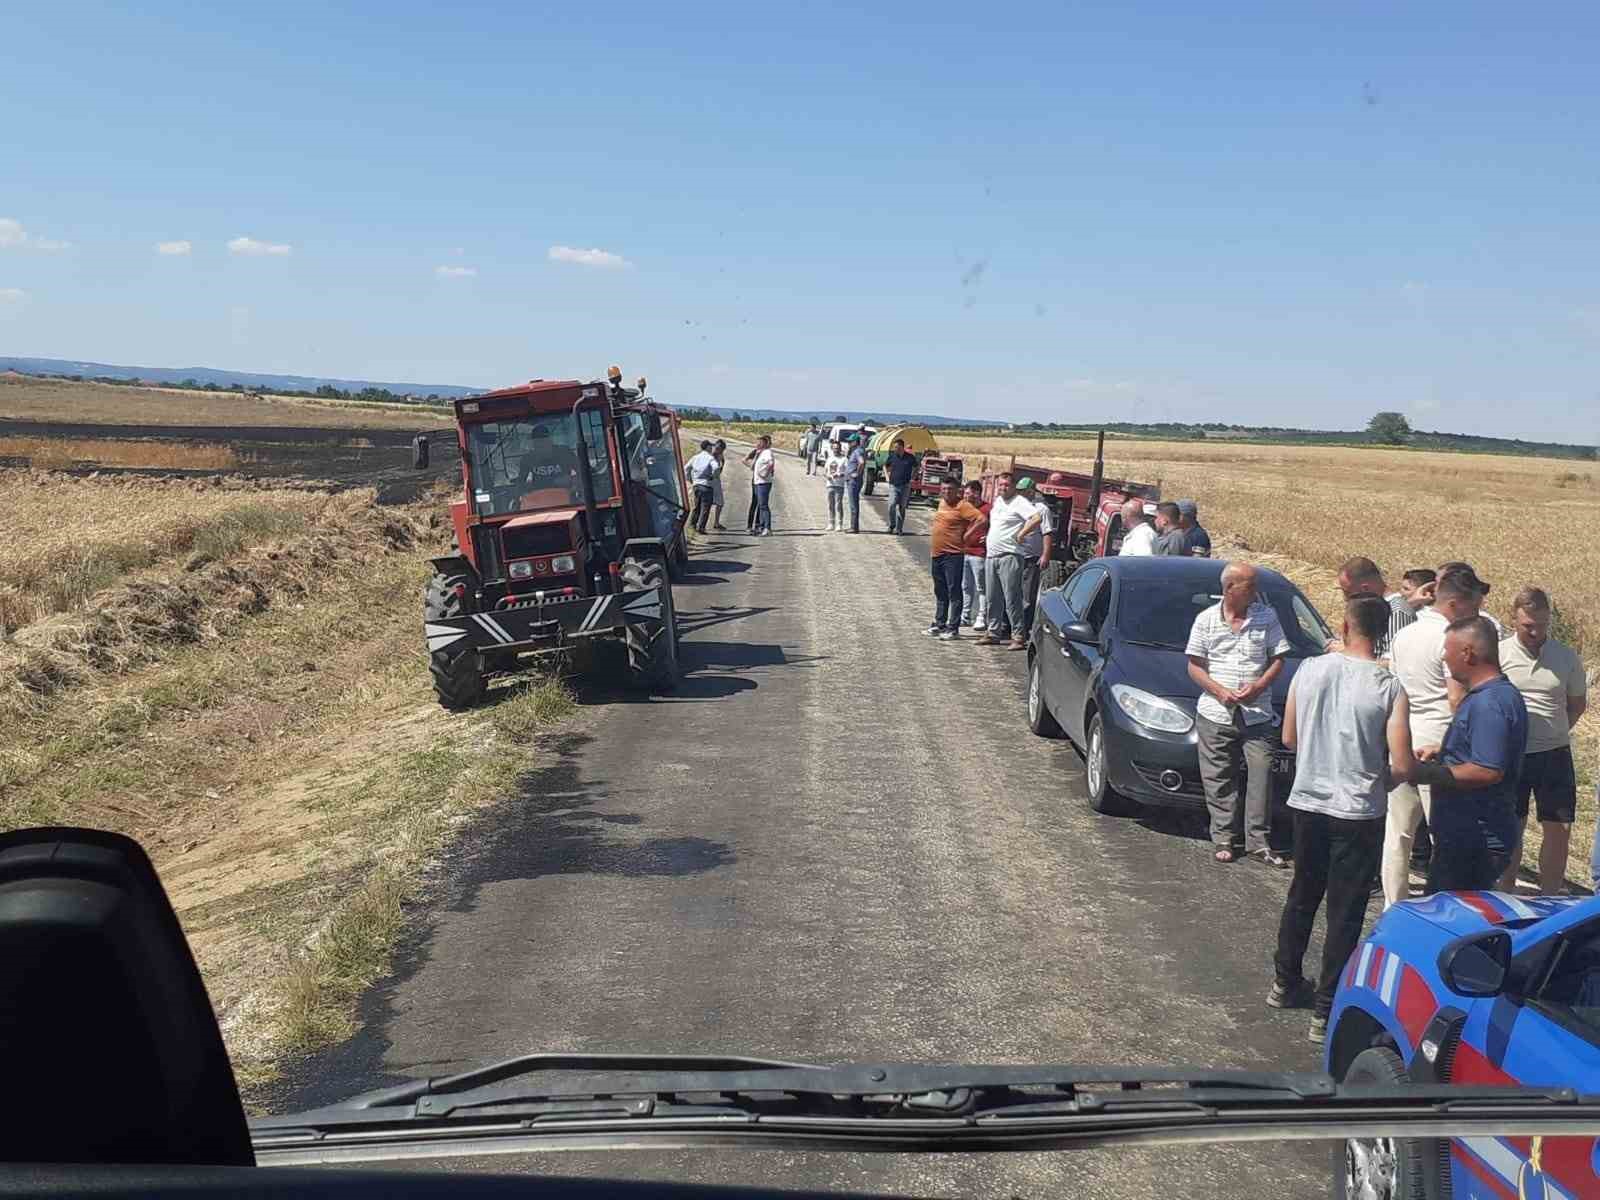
(1151, 711)
(563, 564)
(522, 570)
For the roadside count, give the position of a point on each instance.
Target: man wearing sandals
(1236, 649)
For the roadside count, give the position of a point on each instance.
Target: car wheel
(1039, 718)
(1103, 798)
(1383, 1168)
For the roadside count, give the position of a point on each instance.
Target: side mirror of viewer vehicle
(1477, 965)
(1079, 631)
(419, 452)
(652, 427)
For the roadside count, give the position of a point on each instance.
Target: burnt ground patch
(378, 458)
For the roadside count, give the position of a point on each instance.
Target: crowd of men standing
(1424, 713)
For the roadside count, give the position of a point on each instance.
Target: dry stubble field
(1304, 510)
(231, 670)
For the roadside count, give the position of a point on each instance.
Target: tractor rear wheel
(457, 673)
(653, 644)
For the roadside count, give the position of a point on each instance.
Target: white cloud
(12, 295)
(249, 245)
(173, 247)
(14, 237)
(455, 272)
(587, 258)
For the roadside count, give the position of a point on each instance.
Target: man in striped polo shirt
(1236, 649)
(1361, 577)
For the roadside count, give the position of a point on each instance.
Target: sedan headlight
(564, 564)
(1151, 711)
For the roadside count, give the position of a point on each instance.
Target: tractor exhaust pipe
(1098, 478)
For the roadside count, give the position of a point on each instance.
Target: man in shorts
(1551, 678)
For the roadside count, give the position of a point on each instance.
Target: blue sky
(1275, 213)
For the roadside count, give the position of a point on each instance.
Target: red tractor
(569, 528)
(1088, 506)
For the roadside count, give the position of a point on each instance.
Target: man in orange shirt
(952, 520)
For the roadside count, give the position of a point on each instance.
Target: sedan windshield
(1162, 616)
(532, 463)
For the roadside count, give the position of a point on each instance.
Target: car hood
(1457, 914)
(1165, 672)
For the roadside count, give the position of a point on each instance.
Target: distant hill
(825, 415)
(232, 380)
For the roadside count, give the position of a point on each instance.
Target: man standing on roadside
(1170, 541)
(1138, 535)
(952, 521)
(1236, 649)
(854, 467)
(1038, 539)
(1361, 577)
(1473, 774)
(900, 468)
(1417, 658)
(1554, 687)
(1008, 513)
(702, 472)
(833, 467)
(1195, 537)
(762, 472)
(973, 592)
(1348, 722)
(718, 451)
(813, 446)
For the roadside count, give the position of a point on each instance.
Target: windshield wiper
(563, 1101)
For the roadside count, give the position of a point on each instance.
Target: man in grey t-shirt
(1349, 723)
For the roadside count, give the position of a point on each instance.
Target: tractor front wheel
(653, 643)
(457, 673)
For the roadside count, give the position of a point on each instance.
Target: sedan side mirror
(1080, 631)
(419, 452)
(1477, 965)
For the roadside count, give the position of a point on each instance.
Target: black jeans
(1333, 858)
(947, 590)
(1030, 593)
(1463, 862)
(702, 507)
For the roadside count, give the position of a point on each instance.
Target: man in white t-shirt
(763, 469)
(1004, 566)
(1348, 721)
(1417, 658)
(1139, 536)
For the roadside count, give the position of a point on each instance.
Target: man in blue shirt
(901, 468)
(1474, 773)
(854, 466)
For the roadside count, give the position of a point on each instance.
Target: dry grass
(53, 453)
(67, 538)
(25, 398)
(283, 759)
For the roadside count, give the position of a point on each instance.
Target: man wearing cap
(854, 467)
(1195, 538)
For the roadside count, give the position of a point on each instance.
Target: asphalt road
(837, 841)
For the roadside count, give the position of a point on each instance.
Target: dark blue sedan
(1106, 668)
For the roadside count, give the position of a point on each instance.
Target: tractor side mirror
(1477, 965)
(652, 427)
(419, 452)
